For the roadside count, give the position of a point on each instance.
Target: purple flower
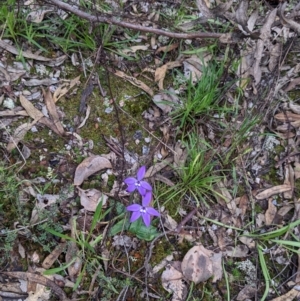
(143, 211)
(137, 183)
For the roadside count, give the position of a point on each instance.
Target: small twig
(186, 219)
(109, 19)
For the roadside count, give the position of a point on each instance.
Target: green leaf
(59, 269)
(142, 232)
(265, 272)
(119, 227)
(287, 242)
(64, 236)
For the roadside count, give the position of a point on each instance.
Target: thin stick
(109, 19)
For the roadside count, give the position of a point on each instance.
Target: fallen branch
(114, 21)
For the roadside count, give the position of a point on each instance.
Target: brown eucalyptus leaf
(289, 179)
(52, 257)
(172, 281)
(90, 198)
(65, 88)
(241, 14)
(72, 253)
(18, 135)
(134, 81)
(197, 265)
(151, 171)
(272, 191)
(160, 72)
(288, 22)
(287, 117)
(90, 166)
(26, 54)
(33, 112)
(270, 212)
(13, 112)
(39, 82)
(248, 292)
(237, 251)
(39, 279)
(52, 111)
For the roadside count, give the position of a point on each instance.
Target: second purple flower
(138, 183)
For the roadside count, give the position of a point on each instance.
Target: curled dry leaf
(65, 87)
(160, 72)
(90, 166)
(272, 191)
(134, 81)
(90, 198)
(172, 281)
(53, 111)
(158, 167)
(51, 258)
(198, 264)
(270, 212)
(288, 22)
(18, 135)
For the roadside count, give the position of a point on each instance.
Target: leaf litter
(198, 264)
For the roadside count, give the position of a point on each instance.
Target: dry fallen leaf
(248, 292)
(90, 166)
(18, 135)
(72, 253)
(134, 81)
(31, 55)
(272, 191)
(197, 264)
(30, 109)
(160, 72)
(287, 117)
(270, 212)
(166, 100)
(237, 251)
(39, 279)
(52, 111)
(172, 281)
(64, 88)
(90, 198)
(289, 296)
(51, 258)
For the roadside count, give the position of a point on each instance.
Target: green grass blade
(265, 272)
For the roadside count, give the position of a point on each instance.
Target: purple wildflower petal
(134, 207)
(141, 190)
(131, 188)
(141, 173)
(146, 185)
(130, 181)
(152, 211)
(147, 199)
(146, 219)
(135, 216)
